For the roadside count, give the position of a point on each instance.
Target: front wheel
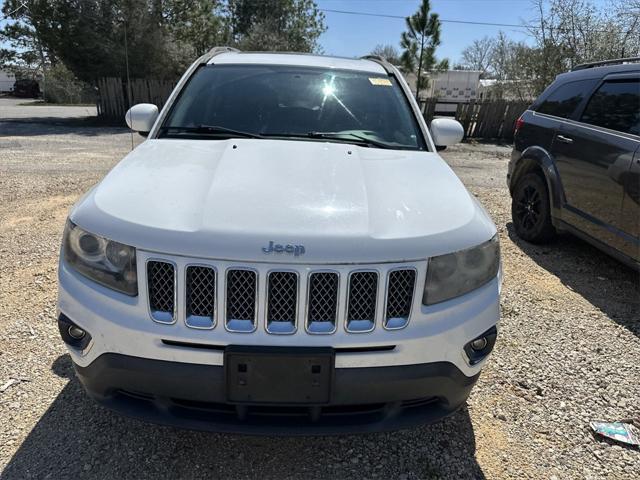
(531, 210)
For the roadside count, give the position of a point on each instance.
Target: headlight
(455, 274)
(109, 263)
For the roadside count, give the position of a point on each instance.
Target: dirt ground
(568, 352)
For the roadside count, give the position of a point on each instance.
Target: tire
(531, 210)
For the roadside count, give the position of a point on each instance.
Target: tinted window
(288, 101)
(563, 101)
(615, 105)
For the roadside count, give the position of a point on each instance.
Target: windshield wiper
(359, 138)
(212, 129)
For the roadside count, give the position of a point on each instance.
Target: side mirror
(141, 117)
(445, 132)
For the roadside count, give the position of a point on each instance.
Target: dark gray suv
(575, 164)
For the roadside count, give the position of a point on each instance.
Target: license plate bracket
(282, 375)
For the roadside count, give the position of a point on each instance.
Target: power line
(466, 22)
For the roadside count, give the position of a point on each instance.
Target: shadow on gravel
(76, 438)
(29, 127)
(606, 283)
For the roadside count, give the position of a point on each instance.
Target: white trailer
(7, 79)
(453, 87)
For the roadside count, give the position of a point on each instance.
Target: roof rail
(602, 63)
(216, 51)
(380, 60)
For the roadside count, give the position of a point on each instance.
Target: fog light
(76, 332)
(72, 334)
(481, 346)
(479, 343)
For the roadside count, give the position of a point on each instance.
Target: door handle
(564, 139)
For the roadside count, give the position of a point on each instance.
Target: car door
(593, 153)
(631, 202)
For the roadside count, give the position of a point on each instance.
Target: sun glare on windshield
(328, 89)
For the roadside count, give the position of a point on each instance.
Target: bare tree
(576, 31)
(626, 15)
(564, 33)
(388, 52)
(478, 55)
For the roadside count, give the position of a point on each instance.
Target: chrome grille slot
(400, 288)
(282, 302)
(241, 304)
(200, 297)
(161, 280)
(362, 299)
(322, 302)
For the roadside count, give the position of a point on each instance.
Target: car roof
(297, 59)
(598, 72)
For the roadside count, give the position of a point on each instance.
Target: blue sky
(352, 36)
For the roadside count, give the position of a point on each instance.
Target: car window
(563, 101)
(272, 100)
(615, 105)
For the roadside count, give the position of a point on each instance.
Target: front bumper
(170, 373)
(122, 324)
(193, 396)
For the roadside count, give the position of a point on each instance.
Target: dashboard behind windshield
(287, 101)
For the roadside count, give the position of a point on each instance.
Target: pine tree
(419, 45)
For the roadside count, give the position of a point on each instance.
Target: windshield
(300, 102)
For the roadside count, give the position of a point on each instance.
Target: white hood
(227, 199)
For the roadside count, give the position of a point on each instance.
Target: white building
(450, 88)
(7, 79)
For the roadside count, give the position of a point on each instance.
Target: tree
(419, 45)
(570, 32)
(627, 15)
(88, 36)
(478, 55)
(293, 25)
(196, 26)
(155, 38)
(388, 52)
(563, 34)
(27, 56)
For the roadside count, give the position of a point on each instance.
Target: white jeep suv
(285, 253)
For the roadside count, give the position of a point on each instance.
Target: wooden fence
(488, 119)
(113, 100)
(494, 119)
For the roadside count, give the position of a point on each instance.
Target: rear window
(564, 100)
(616, 106)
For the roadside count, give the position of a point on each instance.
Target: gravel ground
(19, 109)
(568, 352)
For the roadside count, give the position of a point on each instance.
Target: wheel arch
(537, 159)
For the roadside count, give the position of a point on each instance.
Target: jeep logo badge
(296, 250)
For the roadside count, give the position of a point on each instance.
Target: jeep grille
(295, 299)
